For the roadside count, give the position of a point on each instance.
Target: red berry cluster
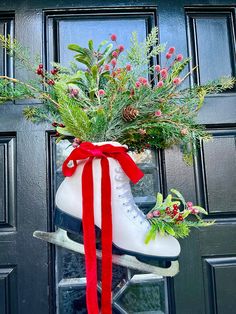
(174, 213)
(115, 54)
(163, 72)
(41, 72)
(55, 124)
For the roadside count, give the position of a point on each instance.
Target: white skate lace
(126, 194)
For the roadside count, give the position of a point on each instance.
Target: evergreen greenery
(89, 104)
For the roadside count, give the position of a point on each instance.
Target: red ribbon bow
(90, 151)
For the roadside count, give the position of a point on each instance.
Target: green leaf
(179, 195)
(94, 70)
(103, 43)
(167, 202)
(83, 60)
(159, 199)
(90, 44)
(76, 48)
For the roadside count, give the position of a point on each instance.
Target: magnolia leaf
(167, 202)
(159, 199)
(179, 195)
(103, 43)
(76, 48)
(94, 70)
(83, 60)
(90, 44)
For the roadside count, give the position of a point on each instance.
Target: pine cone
(130, 113)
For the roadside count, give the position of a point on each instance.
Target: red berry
(115, 54)
(128, 67)
(55, 124)
(179, 57)
(51, 82)
(57, 134)
(158, 113)
(180, 218)
(175, 206)
(54, 71)
(167, 210)
(149, 216)
(101, 92)
(157, 68)
(113, 62)
(40, 66)
(177, 80)
(194, 211)
(61, 125)
(168, 55)
(107, 67)
(137, 84)
(164, 73)
(156, 213)
(189, 204)
(113, 37)
(121, 48)
(39, 71)
(171, 50)
(160, 84)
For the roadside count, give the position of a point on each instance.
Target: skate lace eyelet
(118, 170)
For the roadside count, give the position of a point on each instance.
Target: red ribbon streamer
(90, 151)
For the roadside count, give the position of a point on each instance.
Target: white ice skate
(130, 225)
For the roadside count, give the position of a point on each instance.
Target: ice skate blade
(60, 238)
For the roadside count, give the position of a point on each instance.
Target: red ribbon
(90, 151)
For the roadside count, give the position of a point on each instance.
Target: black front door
(35, 277)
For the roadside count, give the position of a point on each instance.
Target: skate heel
(67, 222)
